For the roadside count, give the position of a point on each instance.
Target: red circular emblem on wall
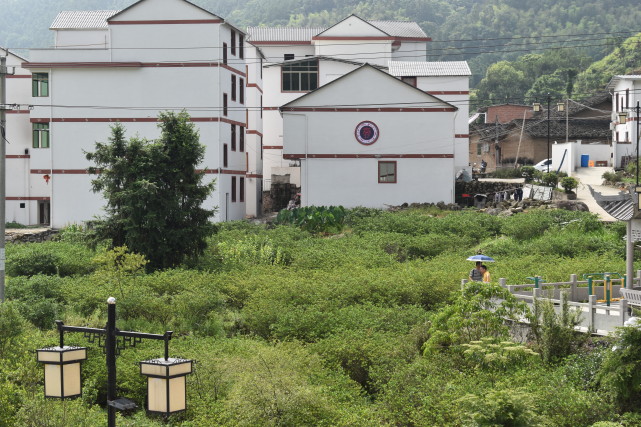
(367, 133)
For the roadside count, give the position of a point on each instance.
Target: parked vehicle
(543, 165)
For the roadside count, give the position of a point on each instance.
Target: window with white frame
(41, 135)
(40, 84)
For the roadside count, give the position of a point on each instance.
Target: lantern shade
(560, 106)
(166, 384)
(623, 115)
(536, 106)
(62, 370)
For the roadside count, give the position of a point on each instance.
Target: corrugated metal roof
(403, 29)
(428, 69)
(400, 28)
(82, 19)
(283, 34)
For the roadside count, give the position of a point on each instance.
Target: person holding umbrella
(478, 274)
(475, 273)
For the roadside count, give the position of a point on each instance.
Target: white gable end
(155, 10)
(353, 26)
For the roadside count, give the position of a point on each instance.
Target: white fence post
(591, 307)
(463, 282)
(502, 282)
(623, 313)
(573, 294)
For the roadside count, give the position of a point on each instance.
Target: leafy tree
(502, 83)
(479, 310)
(153, 192)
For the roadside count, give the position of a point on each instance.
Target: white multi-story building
(26, 201)
(126, 67)
(300, 60)
(626, 95)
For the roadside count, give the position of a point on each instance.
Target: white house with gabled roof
(299, 60)
(125, 67)
(626, 95)
(370, 139)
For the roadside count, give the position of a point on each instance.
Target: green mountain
(483, 32)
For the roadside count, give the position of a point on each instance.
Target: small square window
(387, 172)
(288, 56)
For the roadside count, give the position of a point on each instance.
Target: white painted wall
(81, 39)
(378, 52)
(354, 182)
(630, 127)
(410, 51)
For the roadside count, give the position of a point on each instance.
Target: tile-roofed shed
(282, 34)
(83, 19)
(428, 69)
(403, 29)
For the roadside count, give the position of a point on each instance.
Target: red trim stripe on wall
(127, 120)
(27, 198)
(167, 22)
(272, 147)
(371, 110)
(254, 132)
(86, 172)
(17, 156)
(368, 156)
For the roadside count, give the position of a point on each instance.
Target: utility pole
(497, 150)
(3, 166)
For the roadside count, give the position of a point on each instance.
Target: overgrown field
(363, 326)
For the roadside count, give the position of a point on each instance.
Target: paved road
(592, 177)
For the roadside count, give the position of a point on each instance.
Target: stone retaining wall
(29, 235)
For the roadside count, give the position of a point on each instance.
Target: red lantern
(46, 178)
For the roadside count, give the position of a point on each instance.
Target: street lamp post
(548, 99)
(62, 368)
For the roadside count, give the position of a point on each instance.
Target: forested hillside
(483, 32)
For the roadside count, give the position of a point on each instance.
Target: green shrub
(50, 258)
(529, 173)
(568, 183)
(620, 373)
(507, 172)
(551, 179)
(554, 333)
(315, 219)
